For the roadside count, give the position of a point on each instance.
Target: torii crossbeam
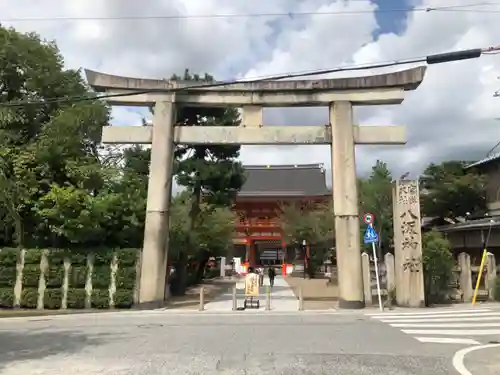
(340, 95)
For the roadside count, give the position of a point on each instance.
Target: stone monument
(408, 244)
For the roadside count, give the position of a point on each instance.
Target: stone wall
(62, 279)
(467, 275)
(461, 289)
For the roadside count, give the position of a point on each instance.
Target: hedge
(77, 280)
(8, 272)
(31, 276)
(54, 279)
(101, 279)
(496, 289)
(125, 278)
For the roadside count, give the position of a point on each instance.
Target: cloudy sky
(452, 115)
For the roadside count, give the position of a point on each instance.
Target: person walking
(272, 274)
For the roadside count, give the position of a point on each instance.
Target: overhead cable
(439, 58)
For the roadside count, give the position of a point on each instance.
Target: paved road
(483, 361)
(162, 342)
(461, 326)
(282, 297)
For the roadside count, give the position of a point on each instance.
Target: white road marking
(446, 325)
(453, 332)
(458, 358)
(428, 313)
(427, 316)
(453, 319)
(446, 340)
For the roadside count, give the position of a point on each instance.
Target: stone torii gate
(340, 95)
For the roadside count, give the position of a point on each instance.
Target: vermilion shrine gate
(259, 237)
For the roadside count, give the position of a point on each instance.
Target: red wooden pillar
(284, 259)
(251, 253)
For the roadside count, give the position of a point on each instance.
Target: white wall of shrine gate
(340, 95)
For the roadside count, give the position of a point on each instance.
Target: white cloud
(450, 116)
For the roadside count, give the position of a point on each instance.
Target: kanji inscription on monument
(408, 244)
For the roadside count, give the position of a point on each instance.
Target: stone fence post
(42, 281)
(18, 287)
(66, 282)
(465, 278)
(491, 275)
(88, 282)
(390, 273)
(367, 279)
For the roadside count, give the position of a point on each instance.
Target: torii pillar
(340, 95)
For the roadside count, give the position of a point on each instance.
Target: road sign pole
(371, 236)
(375, 260)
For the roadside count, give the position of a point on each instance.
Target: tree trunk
(203, 259)
(179, 284)
(195, 206)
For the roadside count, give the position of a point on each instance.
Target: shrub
(8, 275)
(496, 290)
(438, 267)
(55, 276)
(8, 257)
(78, 276)
(212, 273)
(53, 298)
(31, 275)
(100, 299)
(101, 277)
(32, 256)
(76, 298)
(127, 257)
(124, 298)
(29, 298)
(125, 278)
(6, 297)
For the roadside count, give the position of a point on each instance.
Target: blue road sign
(371, 235)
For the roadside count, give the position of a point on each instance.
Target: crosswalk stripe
(463, 327)
(452, 332)
(447, 340)
(445, 325)
(428, 313)
(433, 320)
(430, 316)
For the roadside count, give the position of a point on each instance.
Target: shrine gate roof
(284, 180)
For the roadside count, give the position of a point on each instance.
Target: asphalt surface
(161, 342)
(485, 361)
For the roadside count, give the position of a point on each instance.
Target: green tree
(450, 190)
(49, 142)
(209, 172)
(375, 195)
(124, 198)
(313, 223)
(212, 236)
(72, 216)
(438, 266)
